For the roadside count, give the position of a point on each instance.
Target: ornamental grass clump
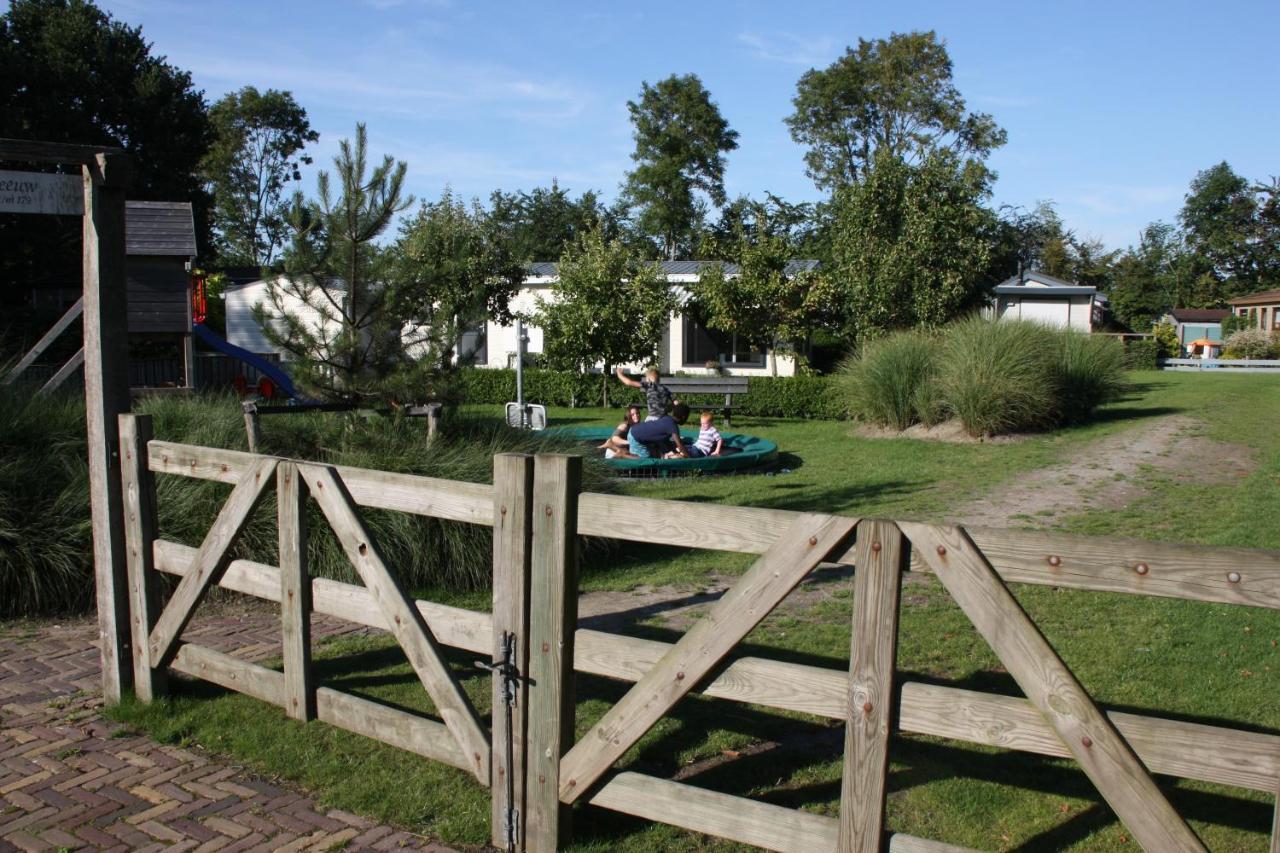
(46, 561)
(1089, 371)
(999, 376)
(892, 382)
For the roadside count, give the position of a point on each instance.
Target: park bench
(726, 385)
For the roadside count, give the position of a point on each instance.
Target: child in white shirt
(709, 442)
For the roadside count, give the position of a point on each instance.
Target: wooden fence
(536, 769)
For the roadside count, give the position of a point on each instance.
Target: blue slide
(273, 371)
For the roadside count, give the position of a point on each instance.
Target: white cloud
(790, 48)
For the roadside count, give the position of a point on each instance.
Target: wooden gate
(1118, 752)
(538, 513)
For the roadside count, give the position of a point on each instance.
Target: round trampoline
(740, 453)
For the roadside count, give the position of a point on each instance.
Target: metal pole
(522, 338)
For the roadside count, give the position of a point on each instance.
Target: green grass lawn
(1201, 662)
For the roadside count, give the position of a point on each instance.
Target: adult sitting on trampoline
(653, 439)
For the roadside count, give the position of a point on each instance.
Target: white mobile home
(687, 346)
(1045, 299)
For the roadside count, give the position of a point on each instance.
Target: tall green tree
(1152, 278)
(338, 307)
(894, 95)
(71, 73)
(257, 149)
(745, 218)
(457, 269)
(542, 223)
(911, 245)
(608, 306)
(681, 140)
(1219, 220)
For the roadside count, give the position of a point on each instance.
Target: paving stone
(65, 782)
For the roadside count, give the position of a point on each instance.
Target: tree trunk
(604, 385)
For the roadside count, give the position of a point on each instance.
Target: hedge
(1141, 354)
(767, 396)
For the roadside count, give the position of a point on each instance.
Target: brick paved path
(69, 781)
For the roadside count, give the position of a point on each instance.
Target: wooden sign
(40, 192)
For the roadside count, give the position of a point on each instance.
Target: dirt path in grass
(1109, 474)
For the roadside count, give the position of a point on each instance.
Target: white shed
(1045, 299)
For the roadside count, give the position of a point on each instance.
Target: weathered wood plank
(553, 616)
(252, 427)
(512, 551)
(756, 593)
(139, 491)
(49, 337)
(1275, 826)
(872, 658)
(745, 530)
(32, 151)
(1109, 564)
(106, 397)
(421, 736)
(63, 373)
(232, 673)
(295, 593)
(711, 812)
(1103, 753)
(211, 559)
(1169, 747)
(401, 729)
(735, 818)
(448, 499)
(407, 624)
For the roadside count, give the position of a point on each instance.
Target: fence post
(252, 425)
(139, 487)
(553, 618)
(512, 509)
(877, 577)
(295, 593)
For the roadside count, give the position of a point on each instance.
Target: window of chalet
(702, 345)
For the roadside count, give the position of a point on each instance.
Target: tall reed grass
(994, 376)
(45, 544)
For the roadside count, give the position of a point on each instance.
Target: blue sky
(1111, 108)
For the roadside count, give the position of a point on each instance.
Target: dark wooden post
(512, 508)
(553, 619)
(106, 392)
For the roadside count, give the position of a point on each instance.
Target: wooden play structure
(527, 754)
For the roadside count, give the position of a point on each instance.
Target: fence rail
(537, 511)
(1228, 364)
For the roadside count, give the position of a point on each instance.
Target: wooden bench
(726, 385)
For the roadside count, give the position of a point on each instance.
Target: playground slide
(278, 376)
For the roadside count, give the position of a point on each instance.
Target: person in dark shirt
(658, 397)
(652, 439)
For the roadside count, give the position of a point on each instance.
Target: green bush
(1249, 343)
(45, 546)
(1141, 354)
(998, 375)
(1089, 371)
(767, 396)
(893, 381)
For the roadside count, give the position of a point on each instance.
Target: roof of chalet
(1199, 315)
(670, 268)
(1033, 283)
(1264, 297)
(159, 228)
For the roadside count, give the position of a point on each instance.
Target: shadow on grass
(1112, 414)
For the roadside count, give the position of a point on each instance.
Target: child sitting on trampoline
(708, 443)
(617, 443)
